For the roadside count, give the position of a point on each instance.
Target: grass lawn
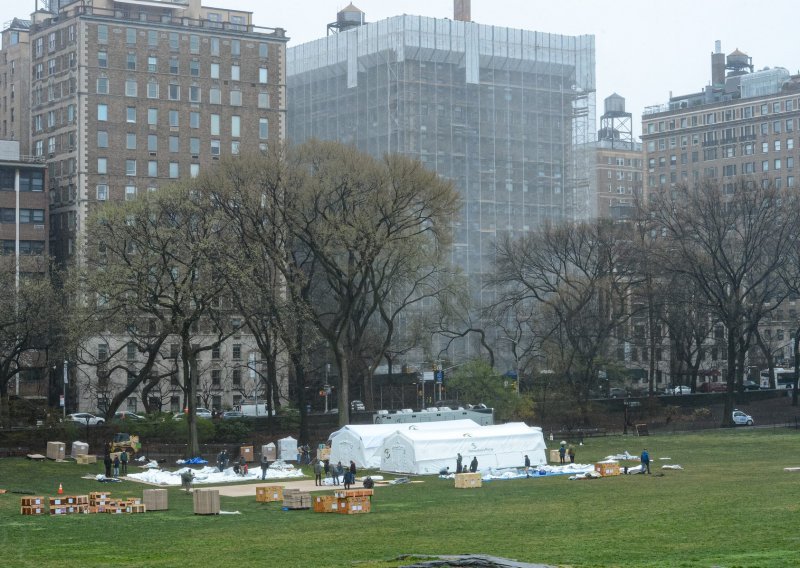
(732, 506)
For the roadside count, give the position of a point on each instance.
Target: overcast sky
(644, 49)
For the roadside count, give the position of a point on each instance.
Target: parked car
(232, 414)
(751, 386)
(682, 389)
(742, 418)
(712, 387)
(199, 412)
(357, 405)
(86, 419)
(617, 392)
(125, 415)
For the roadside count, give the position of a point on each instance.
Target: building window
(131, 88)
(194, 68)
(173, 65)
(102, 59)
(214, 46)
(152, 38)
(130, 141)
(102, 165)
(263, 50)
(194, 44)
(174, 144)
(236, 122)
(102, 139)
(237, 351)
(130, 114)
(173, 41)
(130, 36)
(263, 100)
(102, 33)
(174, 92)
(237, 378)
(216, 377)
(236, 98)
(130, 167)
(194, 146)
(263, 128)
(102, 112)
(214, 71)
(214, 125)
(152, 89)
(194, 170)
(215, 96)
(235, 71)
(130, 192)
(174, 118)
(194, 94)
(152, 168)
(174, 170)
(263, 75)
(152, 143)
(235, 145)
(102, 192)
(152, 116)
(215, 147)
(194, 120)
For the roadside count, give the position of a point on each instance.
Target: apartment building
(124, 97)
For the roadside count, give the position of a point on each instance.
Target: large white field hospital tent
(428, 452)
(362, 443)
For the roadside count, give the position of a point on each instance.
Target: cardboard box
(607, 469)
(56, 450)
(468, 480)
(86, 459)
(206, 501)
(270, 451)
(269, 493)
(33, 510)
(555, 457)
(155, 499)
(247, 452)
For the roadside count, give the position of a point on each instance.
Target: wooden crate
(468, 480)
(269, 493)
(344, 493)
(33, 510)
(325, 504)
(296, 499)
(555, 457)
(56, 450)
(36, 501)
(354, 505)
(247, 452)
(85, 459)
(156, 499)
(206, 501)
(607, 469)
(132, 509)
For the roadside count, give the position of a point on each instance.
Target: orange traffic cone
(60, 489)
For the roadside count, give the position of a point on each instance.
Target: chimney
(461, 10)
(717, 65)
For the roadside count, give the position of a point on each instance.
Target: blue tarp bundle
(195, 461)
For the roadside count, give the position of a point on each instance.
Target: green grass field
(731, 506)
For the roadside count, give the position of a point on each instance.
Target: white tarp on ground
(426, 452)
(362, 442)
(208, 474)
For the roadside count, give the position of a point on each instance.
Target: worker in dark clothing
(527, 466)
(459, 466)
(473, 465)
(107, 463)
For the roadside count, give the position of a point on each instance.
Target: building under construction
(498, 111)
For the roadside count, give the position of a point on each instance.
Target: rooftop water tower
(616, 124)
(348, 18)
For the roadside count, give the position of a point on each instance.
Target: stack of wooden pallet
(296, 499)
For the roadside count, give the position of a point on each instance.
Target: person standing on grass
(107, 463)
(264, 466)
(352, 471)
(338, 472)
(562, 452)
(123, 461)
(645, 461)
(473, 465)
(318, 473)
(326, 468)
(459, 466)
(527, 466)
(571, 453)
(116, 465)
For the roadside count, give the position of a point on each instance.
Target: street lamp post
(66, 385)
(516, 362)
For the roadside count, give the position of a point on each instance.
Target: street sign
(439, 375)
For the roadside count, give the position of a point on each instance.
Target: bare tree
(734, 246)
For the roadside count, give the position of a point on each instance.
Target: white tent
(426, 452)
(362, 442)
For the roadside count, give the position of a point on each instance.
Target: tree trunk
(344, 387)
(727, 413)
(300, 383)
(796, 365)
(189, 373)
